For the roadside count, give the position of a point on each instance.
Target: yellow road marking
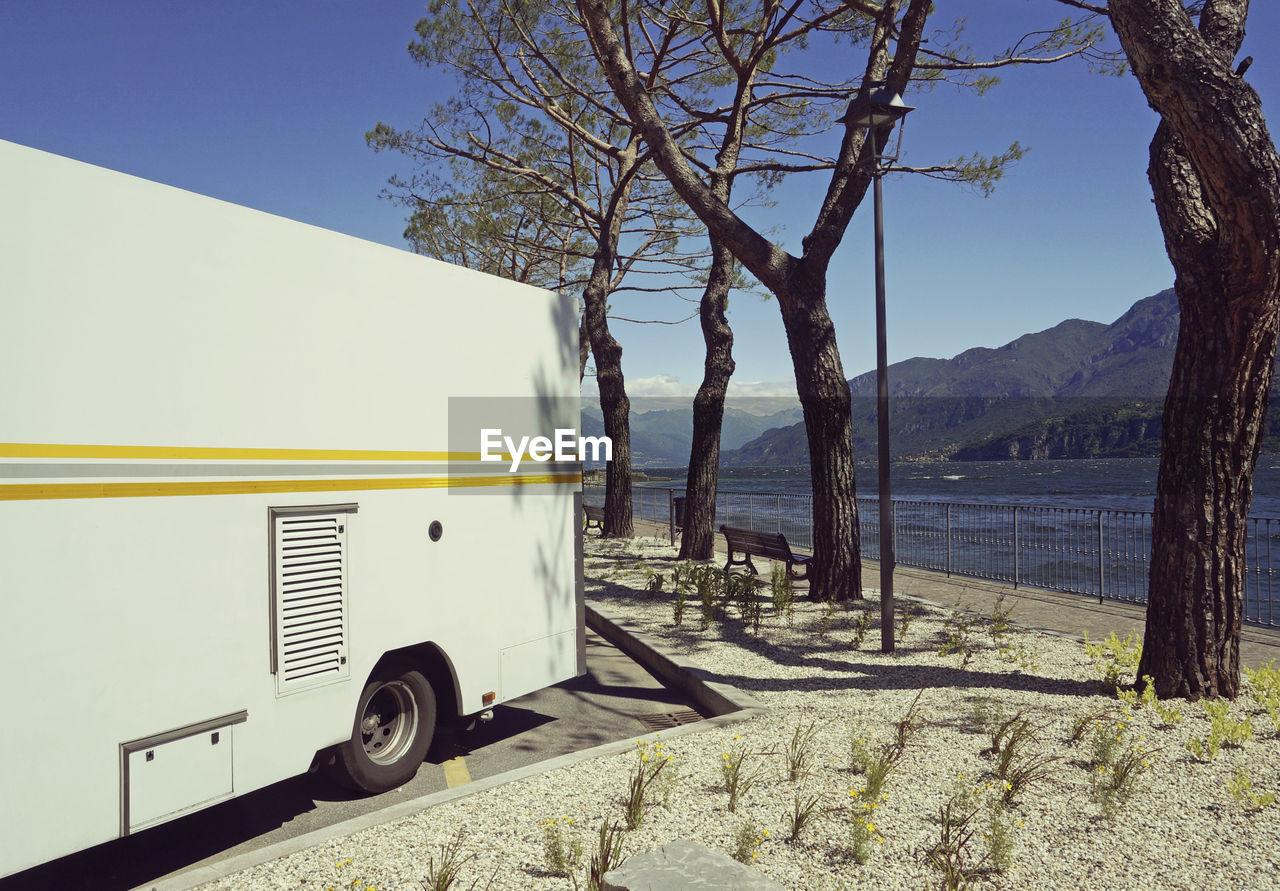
(23, 492)
(456, 773)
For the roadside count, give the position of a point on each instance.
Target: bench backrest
(765, 544)
(594, 512)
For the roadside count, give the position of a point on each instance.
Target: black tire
(394, 725)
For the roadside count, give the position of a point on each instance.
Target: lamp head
(873, 107)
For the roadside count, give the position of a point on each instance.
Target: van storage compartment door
(176, 772)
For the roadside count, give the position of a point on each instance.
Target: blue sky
(266, 105)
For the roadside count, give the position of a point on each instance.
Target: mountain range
(1077, 390)
(1080, 389)
(662, 437)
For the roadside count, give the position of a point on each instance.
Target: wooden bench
(595, 515)
(771, 545)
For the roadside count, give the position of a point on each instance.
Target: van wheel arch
(433, 694)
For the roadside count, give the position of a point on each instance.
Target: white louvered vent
(310, 599)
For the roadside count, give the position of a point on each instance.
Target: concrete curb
(726, 704)
(673, 670)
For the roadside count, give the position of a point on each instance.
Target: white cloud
(744, 389)
(659, 385)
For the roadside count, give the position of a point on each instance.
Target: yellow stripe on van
(27, 492)
(50, 450)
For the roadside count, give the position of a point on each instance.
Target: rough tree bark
(614, 404)
(698, 540)
(1215, 175)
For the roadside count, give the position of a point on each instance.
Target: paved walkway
(1056, 612)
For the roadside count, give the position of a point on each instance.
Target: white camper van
(238, 537)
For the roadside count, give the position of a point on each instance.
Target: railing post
(779, 513)
(948, 540)
(751, 511)
(1102, 574)
(1015, 546)
(671, 515)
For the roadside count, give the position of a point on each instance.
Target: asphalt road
(599, 707)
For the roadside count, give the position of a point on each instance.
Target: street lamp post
(873, 108)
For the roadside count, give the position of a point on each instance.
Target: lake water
(1064, 525)
(1116, 483)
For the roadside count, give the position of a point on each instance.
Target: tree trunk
(1213, 422)
(1212, 429)
(698, 541)
(584, 346)
(836, 570)
(1215, 176)
(614, 404)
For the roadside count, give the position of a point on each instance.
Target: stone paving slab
(680, 865)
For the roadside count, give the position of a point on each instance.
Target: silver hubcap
(389, 723)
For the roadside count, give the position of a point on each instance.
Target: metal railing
(1098, 552)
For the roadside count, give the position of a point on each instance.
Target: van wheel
(395, 722)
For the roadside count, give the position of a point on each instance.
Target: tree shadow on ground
(826, 649)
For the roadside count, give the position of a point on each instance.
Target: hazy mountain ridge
(1080, 389)
(1077, 390)
(663, 437)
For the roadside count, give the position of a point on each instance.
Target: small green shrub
(861, 626)
(442, 875)
(742, 590)
(878, 764)
(1118, 763)
(1242, 791)
(905, 618)
(561, 846)
(957, 855)
(784, 597)
(827, 618)
(957, 628)
(998, 620)
(738, 777)
(644, 782)
(1264, 690)
(709, 583)
(606, 857)
(746, 842)
(804, 810)
(799, 750)
(1113, 658)
(1000, 835)
(1018, 766)
(681, 580)
(1223, 730)
(653, 584)
(1169, 715)
(1017, 653)
(1080, 726)
(862, 832)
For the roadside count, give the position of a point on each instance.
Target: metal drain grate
(667, 720)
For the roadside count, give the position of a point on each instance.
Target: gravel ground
(1183, 828)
